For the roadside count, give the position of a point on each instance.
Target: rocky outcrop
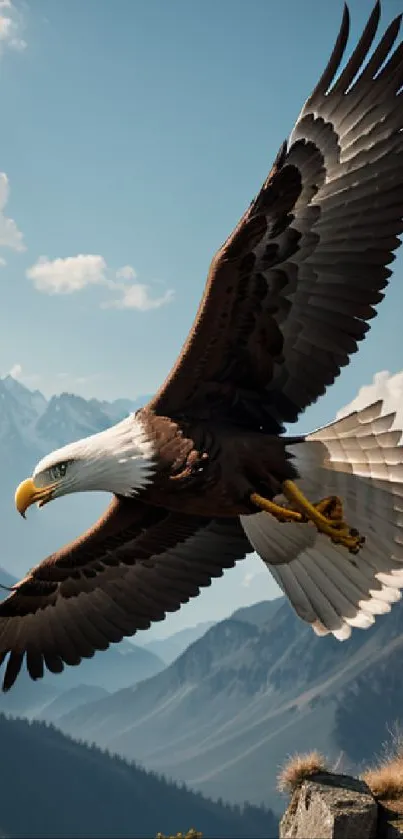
(329, 806)
(390, 820)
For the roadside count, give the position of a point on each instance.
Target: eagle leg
(327, 516)
(330, 507)
(276, 510)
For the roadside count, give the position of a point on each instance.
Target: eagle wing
(137, 564)
(289, 294)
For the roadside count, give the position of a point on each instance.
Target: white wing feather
(359, 458)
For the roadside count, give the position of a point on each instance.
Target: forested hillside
(52, 787)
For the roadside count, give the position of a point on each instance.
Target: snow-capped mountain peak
(44, 424)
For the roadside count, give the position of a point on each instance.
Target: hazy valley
(254, 689)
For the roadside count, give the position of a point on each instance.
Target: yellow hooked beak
(27, 493)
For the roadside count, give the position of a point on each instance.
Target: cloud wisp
(10, 235)
(386, 386)
(15, 371)
(137, 296)
(18, 373)
(10, 27)
(65, 276)
(74, 273)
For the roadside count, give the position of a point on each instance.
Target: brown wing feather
(289, 294)
(136, 565)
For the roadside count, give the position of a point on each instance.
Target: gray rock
(390, 820)
(330, 806)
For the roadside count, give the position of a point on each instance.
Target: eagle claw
(326, 515)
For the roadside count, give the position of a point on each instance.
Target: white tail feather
(360, 459)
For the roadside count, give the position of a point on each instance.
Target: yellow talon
(326, 515)
(331, 507)
(276, 510)
(332, 524)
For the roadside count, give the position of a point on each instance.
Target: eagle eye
(58, 471)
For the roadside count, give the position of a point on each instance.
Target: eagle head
(119, 460)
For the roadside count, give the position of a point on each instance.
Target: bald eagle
(205, 474)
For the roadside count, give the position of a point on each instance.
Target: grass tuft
(386, 780)
(298, 768)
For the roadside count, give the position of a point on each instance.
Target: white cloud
(137, 296)
(248, 578)
(127, 272)
(385, 385)
(15, 371)
(64, 276)
(73, 273)
(28, 379)
(10, 27)
(10, 236)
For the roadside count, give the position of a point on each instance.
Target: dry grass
(385, 779)
(298, 768)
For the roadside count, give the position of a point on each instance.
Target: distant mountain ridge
(43, 423)
(69, 700)
(168, 649)
(114, 669)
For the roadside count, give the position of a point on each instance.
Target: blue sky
(134, 135)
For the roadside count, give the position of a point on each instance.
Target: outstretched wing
(289, 294)
(360, 459)
(137, 564)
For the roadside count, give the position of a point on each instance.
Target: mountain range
(229, 710)
(52, 786)
(121, 665)
(169, 648)
(255, 688)
(41, 424)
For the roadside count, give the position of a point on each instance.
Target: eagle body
(203, 474)
(212, 469)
